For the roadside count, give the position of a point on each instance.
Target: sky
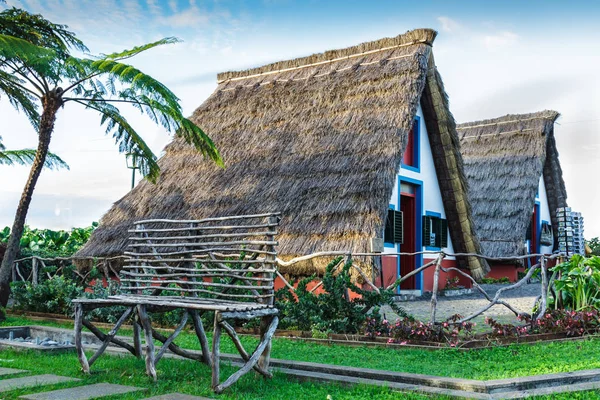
(495, 58)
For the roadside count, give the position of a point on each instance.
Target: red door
(533, 242)
(407, 263)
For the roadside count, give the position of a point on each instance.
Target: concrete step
(349, 380)
(523, 394)
(83, 392)
(31, 381)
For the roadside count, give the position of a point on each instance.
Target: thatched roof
(319, 139)
(504, 160)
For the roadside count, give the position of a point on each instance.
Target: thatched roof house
(317, 138)
(504, 161)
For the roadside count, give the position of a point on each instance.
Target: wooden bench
(221, 265)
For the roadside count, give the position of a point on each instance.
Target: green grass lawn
(194, 378)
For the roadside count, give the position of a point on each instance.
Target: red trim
(408, 157)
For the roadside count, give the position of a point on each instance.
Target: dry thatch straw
(504, 160)
(319, 139)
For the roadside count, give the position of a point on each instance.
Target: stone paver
(176, 396)
(82, 392)
(30, 381)
(10, 371)
(521, 299)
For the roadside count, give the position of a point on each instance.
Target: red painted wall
(428, 276)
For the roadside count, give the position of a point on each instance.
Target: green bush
(47, 243)
(577, 283)
(331, 311)
(52, 295)
(491, 281)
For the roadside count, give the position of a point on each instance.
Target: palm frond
(37, 30)
(138, 49)
(127, 139)
(26, 157)
(14, 48)
(19, 97)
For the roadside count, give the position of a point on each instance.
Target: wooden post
(436, 280)
(201, 334)
(34, 271)
(145, 320)
(216, 351)
(137, 338)
(78, 342)
(544, 297)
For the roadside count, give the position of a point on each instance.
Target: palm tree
(37, 72)
(26, 157)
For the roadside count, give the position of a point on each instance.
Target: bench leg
(137, 338)
(216, 351)
(78, 340)
(145, 320)
(265, 357)
(199, 328)
(265, 340)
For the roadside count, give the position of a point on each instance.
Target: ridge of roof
(412, 37)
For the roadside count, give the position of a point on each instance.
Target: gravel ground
(521, 299)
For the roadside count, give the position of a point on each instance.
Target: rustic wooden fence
(30, 269)
(496, 299)
(33, 269)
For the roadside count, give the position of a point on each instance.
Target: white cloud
(190, 18)
(448, 24)
(501, 39)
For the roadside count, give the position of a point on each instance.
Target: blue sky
(496, 57)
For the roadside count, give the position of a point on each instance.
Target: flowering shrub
(453, 283)
(409, 329)
(573, 323)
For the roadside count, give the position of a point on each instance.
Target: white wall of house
(542, 198)
(432, 196)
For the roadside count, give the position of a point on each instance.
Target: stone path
(83, 392)
(10, 371)
(177, 396)
(31, 381)
(521, 299)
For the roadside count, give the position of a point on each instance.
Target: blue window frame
(419, 226)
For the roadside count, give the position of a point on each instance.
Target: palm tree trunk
(51, 103)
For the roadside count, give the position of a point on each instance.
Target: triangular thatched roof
(319, 139)
(504, 160)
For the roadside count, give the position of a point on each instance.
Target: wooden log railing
(22, 272)
(436, 264)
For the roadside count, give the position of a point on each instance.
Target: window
(435, 232)
(393, 232)
(411, 153)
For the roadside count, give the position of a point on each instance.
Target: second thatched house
(515, 183)
(339, 142)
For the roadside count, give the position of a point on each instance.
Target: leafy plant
(577, 283)
(453, 283)
(493, 281)
(573, 323)
(49, 243)
(409, 329)
(594, 245)
(331, 310)
(49, 296)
